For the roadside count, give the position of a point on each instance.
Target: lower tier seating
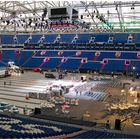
(93, 134)
(21, 127)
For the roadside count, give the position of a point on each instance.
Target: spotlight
(122, 91)
(133, 68)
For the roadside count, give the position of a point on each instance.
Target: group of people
(78, 92)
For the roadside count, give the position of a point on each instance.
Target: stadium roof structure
(121, 16)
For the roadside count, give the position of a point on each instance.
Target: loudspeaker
(22, 71)
(118, 124)
(137, 76)
(83, 78)
(37, 111)
(81, 16)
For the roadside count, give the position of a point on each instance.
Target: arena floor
(96, 103)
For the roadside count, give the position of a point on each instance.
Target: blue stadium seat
(71, 64)
(35, 38)
(49, 38)
(67, 38)
(101, 38)
(84, 38)
(22, 38)
(7, 39)
(120, 38)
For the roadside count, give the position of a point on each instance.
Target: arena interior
(69, 69)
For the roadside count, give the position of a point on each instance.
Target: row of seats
(77, 47)
(93, 134)
(19, 127)
(74, 64)
(90, 55)
(118, 38)
(74, 60)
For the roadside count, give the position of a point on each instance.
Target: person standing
(108, 124)
(109, 95)
(4, 83)
(25, 110)
(76, 91)
(139, 110)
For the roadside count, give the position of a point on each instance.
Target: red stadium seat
(36, 69)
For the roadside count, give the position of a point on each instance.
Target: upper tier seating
(91, 41)
(118, 38)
